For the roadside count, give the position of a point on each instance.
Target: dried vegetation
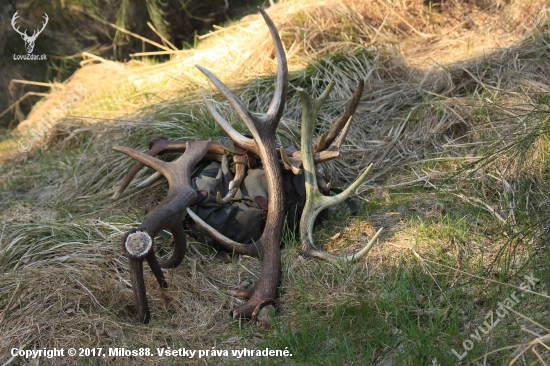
(445, 81)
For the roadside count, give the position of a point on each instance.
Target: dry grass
(71, 289)
(310, 30)
(440, 84)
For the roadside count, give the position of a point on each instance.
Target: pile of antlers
(138, 242)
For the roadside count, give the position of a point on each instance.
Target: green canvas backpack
(243, 218)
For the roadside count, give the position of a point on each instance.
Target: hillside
(454, 116)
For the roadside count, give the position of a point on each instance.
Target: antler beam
(263, 144)
(138, 243)
(315, 200)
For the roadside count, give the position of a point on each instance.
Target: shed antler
(262, 144)
(291, 160)
(158, 145)
(315, 200)
(138, 243)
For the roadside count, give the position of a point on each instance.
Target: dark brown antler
(263, 144)
(159, 145)
(138, 243)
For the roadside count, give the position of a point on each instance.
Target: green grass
(410, 315)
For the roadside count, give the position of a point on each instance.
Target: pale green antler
(315, 200)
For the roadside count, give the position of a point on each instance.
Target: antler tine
(343, 120)
(316, 253)
(148, 182)
(247, 116)
(235, 184)
(315, 201)
(138, 285)
(288, 163)
(233, 134)
(138, 246)
(275, 110)
(321, 143)
(238, 248)
(148, 160)
(159, 145)
(321, 182)
(180, 248)
(319, 157)
(338, 143)
(156, 145)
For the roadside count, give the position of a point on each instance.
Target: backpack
(243, 219)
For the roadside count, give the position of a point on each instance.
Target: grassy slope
(415, 298)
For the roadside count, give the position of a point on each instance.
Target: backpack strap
(231, 149)
(262, 202)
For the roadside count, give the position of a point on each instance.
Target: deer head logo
(29, 40)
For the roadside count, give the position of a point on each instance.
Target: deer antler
(138, 243)
(159, 145)
(292, 160)
(341, 123)
(315, 200)
(240, 172)
(323, 150)
(263, 144)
